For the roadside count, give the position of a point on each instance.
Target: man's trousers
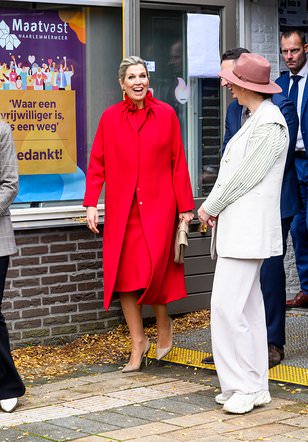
(10, 383)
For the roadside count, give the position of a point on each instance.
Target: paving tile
(191, 420)
(118, 383)
(199, 399)
(141, 431)
(154, 438)
(93, 439)
(265, 417)
(197, 433)
(135, 377)
(10, 420)
(299, 421)
(37, 415)
(297, 434)
(172, 438)
(116, 419)
(263, 431)
(10, 435)
(278, 438)
(55, 397)
(140, 394)
(96, 403)
(150, 414)
(157, 391)
(174, 406)
(279, 402)
(219, 438)
(45, 429)
(41, 390)
(83, 424)
(178, 387)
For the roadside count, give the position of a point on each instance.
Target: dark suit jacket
(283, 82)
(289, 190)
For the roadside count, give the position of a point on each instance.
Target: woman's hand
(92, 219)
(186, 216)
(205, 218)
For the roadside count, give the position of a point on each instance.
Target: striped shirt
(265, 145)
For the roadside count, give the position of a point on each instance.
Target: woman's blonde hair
(131, 61)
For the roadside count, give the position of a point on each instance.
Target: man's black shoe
(208, 360)
(275, 355)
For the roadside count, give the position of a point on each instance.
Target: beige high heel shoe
(161, 352)
(129, 368)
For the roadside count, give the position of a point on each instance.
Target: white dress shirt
(301, 86)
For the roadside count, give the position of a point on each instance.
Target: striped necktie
(293, 94)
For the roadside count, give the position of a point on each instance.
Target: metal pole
(131, 27)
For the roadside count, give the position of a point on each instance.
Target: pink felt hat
(252, 72)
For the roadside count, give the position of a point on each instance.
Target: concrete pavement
(162, 403)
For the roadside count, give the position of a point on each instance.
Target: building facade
(71, 52)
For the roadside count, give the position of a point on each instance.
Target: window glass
(163, 43)
(58, 73)
(196, 101)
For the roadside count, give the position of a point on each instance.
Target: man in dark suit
(294, 85)
(273, 280)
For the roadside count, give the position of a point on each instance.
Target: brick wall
(54, 289)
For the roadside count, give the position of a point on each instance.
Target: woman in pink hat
(244, 210)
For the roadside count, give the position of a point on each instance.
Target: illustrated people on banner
(48, 80)
(5, 77)
(30, 80)
(68, 76)
(13, 78)
(39, 78)
(18, 82)
(61, 78)
(23, 75)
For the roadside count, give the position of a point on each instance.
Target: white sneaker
(9, 405)
(222, 398)
(263, 398)
(240, 403)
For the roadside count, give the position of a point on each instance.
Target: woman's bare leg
(164, 329)
(133, 317)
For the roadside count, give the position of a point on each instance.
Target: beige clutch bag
(181, 242)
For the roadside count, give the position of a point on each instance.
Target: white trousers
(238, 327)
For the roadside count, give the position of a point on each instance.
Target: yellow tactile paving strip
(193, 358)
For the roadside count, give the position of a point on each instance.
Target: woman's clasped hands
(205, 218)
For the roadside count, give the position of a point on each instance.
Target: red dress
(134, 269)
(143, 166)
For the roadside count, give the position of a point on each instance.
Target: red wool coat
(149, 162)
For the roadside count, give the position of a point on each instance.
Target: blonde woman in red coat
(138, 154)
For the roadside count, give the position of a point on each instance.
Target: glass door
(196, 101)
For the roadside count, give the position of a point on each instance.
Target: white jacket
(250, 227)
